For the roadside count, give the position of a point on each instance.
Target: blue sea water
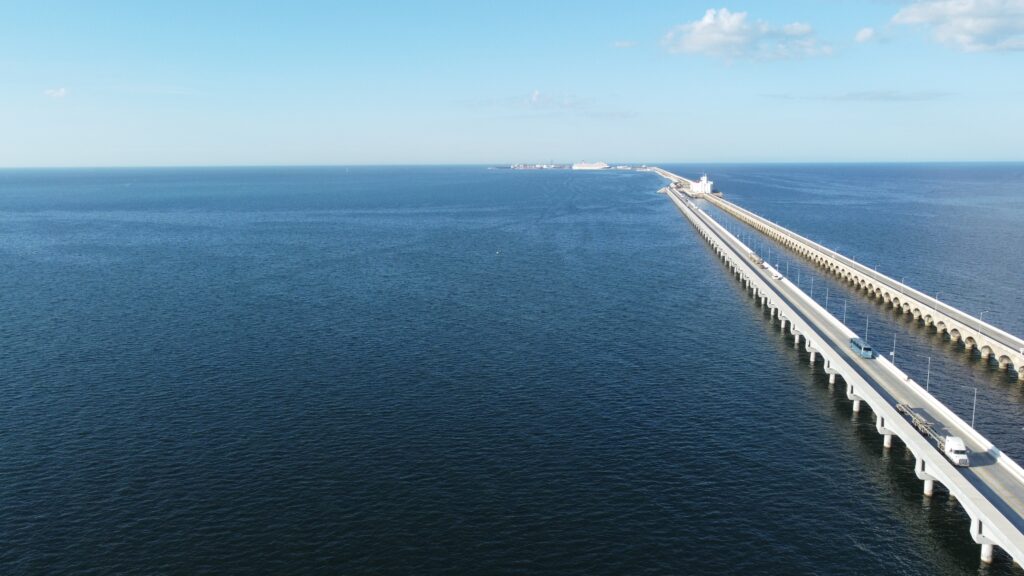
(459, 370)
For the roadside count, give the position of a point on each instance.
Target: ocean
(462, 370)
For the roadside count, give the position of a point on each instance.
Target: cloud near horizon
(969, 25)
(864, 35)
(541, 104)
(732, 35)
(56, 93)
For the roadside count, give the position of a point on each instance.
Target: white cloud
(864, 35)
(55, 92)
(623, 44)
(970, 25)
(540, 104)
(731, 35)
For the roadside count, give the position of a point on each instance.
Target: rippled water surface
(456, 370)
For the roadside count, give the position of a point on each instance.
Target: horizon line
(494, 164)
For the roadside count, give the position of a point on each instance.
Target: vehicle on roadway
(771, 270)
(861, 348)
(952, 447)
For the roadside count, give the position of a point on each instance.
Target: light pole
(902, 285)
(866, 318)
(983, 315)
(826, 297)
(975, 407)
(844, 311)
(928, 376)
(812, 287)
(893, 353)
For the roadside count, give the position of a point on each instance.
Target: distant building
(703, 186)
(590, 166)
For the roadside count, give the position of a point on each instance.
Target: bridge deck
(992, 489)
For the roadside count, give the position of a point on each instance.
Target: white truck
(952, 447)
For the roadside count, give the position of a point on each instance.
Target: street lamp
(893, 353)
(844, 311)
(902, 284)
(928, 376)
(975, 407)
(983, 315)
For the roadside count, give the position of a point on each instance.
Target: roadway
(998, 484)
(991, 332)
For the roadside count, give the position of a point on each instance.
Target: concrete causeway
(991, 489)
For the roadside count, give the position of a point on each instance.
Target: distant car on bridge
(861, 348)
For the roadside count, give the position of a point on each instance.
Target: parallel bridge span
(991, 490)
(992, 343)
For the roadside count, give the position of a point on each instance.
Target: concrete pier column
(887, 441)
(856, 405)
(796, 341)
(832, 378)
(929, 487)
(814, 355)
(986, 553)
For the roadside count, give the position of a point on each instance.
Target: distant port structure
(987, 483)
(590, 166)
(579, 166)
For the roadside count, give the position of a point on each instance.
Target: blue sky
(213, 83)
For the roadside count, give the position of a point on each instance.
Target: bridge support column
(814, 356)
(852, 395)
(986, 553)
(921, 471)
(832, 378)
(884, 431)
(979, 536)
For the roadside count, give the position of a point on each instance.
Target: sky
(92, 83)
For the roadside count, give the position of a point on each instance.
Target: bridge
(993, 344)
(990, 490)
